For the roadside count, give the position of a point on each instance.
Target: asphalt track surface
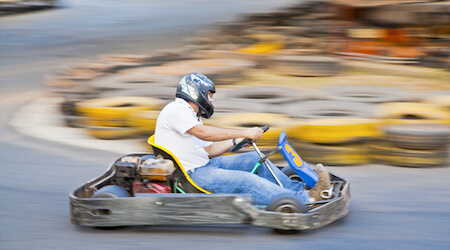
(391, 207)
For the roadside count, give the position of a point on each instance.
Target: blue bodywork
(300, 167)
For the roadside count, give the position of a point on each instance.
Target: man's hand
(253, 133)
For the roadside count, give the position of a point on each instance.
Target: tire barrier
(218, 65)
(329, 109)
(114, 112)
(298, 52)
(176, 72)
(112, 133)
(436, 57)
(98, 67)
(127, 58)
(74, 121)
(164, 93)
(144, 120)
(71, 96)
(267, 44)
(239, 106)
(64, 80)
(59, 81)
(385, 153)
(156, 59)
(339, 154)
(276, 122)
(117, 82)
(225, 54)
(337, 131)
(283, 46)
(265, 95)
(410, 112)
(417, 136)
(304, 65)
(81, 72)
(220, 71)
(365, 93)
(439, 98)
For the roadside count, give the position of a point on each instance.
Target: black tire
(341, 154)
(286, 203)
(365, 94)
(265, 95)
(164, 93)
(385, 153)
(329, 109)
(111, 191)
(291, 174)
(418, 136)
(305, 65)
(132, 81)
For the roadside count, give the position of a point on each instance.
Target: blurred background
(360, 86)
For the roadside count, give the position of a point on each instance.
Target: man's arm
(222, 138)
(209, 133)
(220, 147)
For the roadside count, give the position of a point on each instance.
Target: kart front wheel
(286, 203)
(291, 174)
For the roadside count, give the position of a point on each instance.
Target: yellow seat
(180, 178)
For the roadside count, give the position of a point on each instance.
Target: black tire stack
(412, 145)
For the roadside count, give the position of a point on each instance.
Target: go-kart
(154, 189)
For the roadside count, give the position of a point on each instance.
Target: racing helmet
(194, 87)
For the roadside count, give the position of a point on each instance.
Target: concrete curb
(42, 119)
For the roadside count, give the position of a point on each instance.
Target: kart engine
(146, 174)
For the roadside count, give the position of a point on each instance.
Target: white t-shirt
(172, 125)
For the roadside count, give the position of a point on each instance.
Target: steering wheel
(246, 141)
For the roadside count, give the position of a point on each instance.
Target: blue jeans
(231, 174)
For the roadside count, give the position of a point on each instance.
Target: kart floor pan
(192, 208)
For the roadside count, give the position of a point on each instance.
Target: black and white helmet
(194, 88)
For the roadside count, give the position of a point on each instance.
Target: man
(198, 147)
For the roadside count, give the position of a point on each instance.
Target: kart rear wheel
(111, 191)
(286, 203)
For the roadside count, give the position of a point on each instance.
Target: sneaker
(322, 184)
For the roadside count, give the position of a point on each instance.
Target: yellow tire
(411, 112)
(115, 112)
(144, 120)
(112, 133)
(333, 131)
